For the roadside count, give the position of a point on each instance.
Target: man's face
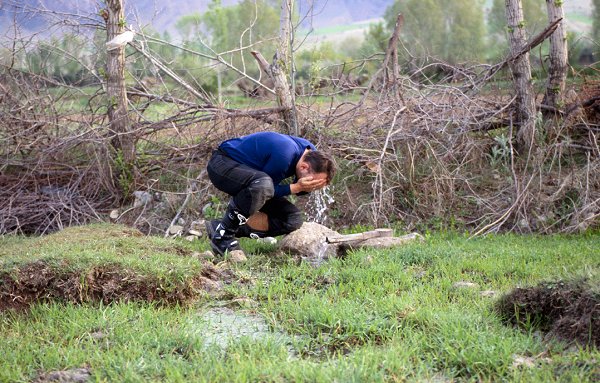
(319, 176)
(304, 170)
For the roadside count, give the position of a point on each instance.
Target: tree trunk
(279, 69)
(123, 141)
(557, 71)
(392, 71)
(521, 70)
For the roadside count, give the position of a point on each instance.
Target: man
(250, 169)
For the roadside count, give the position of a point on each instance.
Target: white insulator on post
(120, 40)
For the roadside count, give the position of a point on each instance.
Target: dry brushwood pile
(446, 152)
(410, 150)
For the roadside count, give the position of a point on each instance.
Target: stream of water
(318, 203)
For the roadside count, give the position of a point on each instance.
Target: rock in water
(310, 242)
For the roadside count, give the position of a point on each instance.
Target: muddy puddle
(222, 326)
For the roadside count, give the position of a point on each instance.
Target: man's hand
(307, 184)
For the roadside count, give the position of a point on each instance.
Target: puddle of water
(220, 326)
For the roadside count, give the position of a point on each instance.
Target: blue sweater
(272, 153)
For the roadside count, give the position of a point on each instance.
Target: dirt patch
(39, 282)
(566, 310)
(78, 375)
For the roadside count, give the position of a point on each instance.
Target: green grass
(80, 248)
(374, 316)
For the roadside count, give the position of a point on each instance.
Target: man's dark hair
(320, 163)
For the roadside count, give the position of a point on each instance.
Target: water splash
(322, 254)
(318, 203)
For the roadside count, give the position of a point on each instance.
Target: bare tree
(123, 141)
(280, 68)
(521, 70)
(557, 71)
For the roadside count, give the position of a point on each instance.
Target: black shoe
(222, 240)
(224, 245)
(246, 231)
(211, 227)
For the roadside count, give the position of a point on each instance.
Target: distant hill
(162, 15)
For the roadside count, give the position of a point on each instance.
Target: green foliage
(450, 30)
(248, 22)
(534, 14)
(223, 29)
(61, 59)
(214, 209)
(312, 63)
(466, 36)
(189, 26)
(375, 40)
(500, 152)
(124, 171)
(596, 20)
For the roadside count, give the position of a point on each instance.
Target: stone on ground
(78, 375)
(237, 256)
(465, 285)
(386, 242)
(175, 229)
(310, 241)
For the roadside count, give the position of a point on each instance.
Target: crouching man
(250, 169)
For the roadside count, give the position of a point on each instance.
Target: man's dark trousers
(252, 191)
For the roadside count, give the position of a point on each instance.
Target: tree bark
(521, 70)
(389, 73)
(279, 69)
(123, 141)
(557, 70)
(392, 71)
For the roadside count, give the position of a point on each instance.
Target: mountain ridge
(163, 15)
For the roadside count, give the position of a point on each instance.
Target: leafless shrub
(444, 154)
(411, 150)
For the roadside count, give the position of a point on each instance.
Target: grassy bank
(422, 312)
